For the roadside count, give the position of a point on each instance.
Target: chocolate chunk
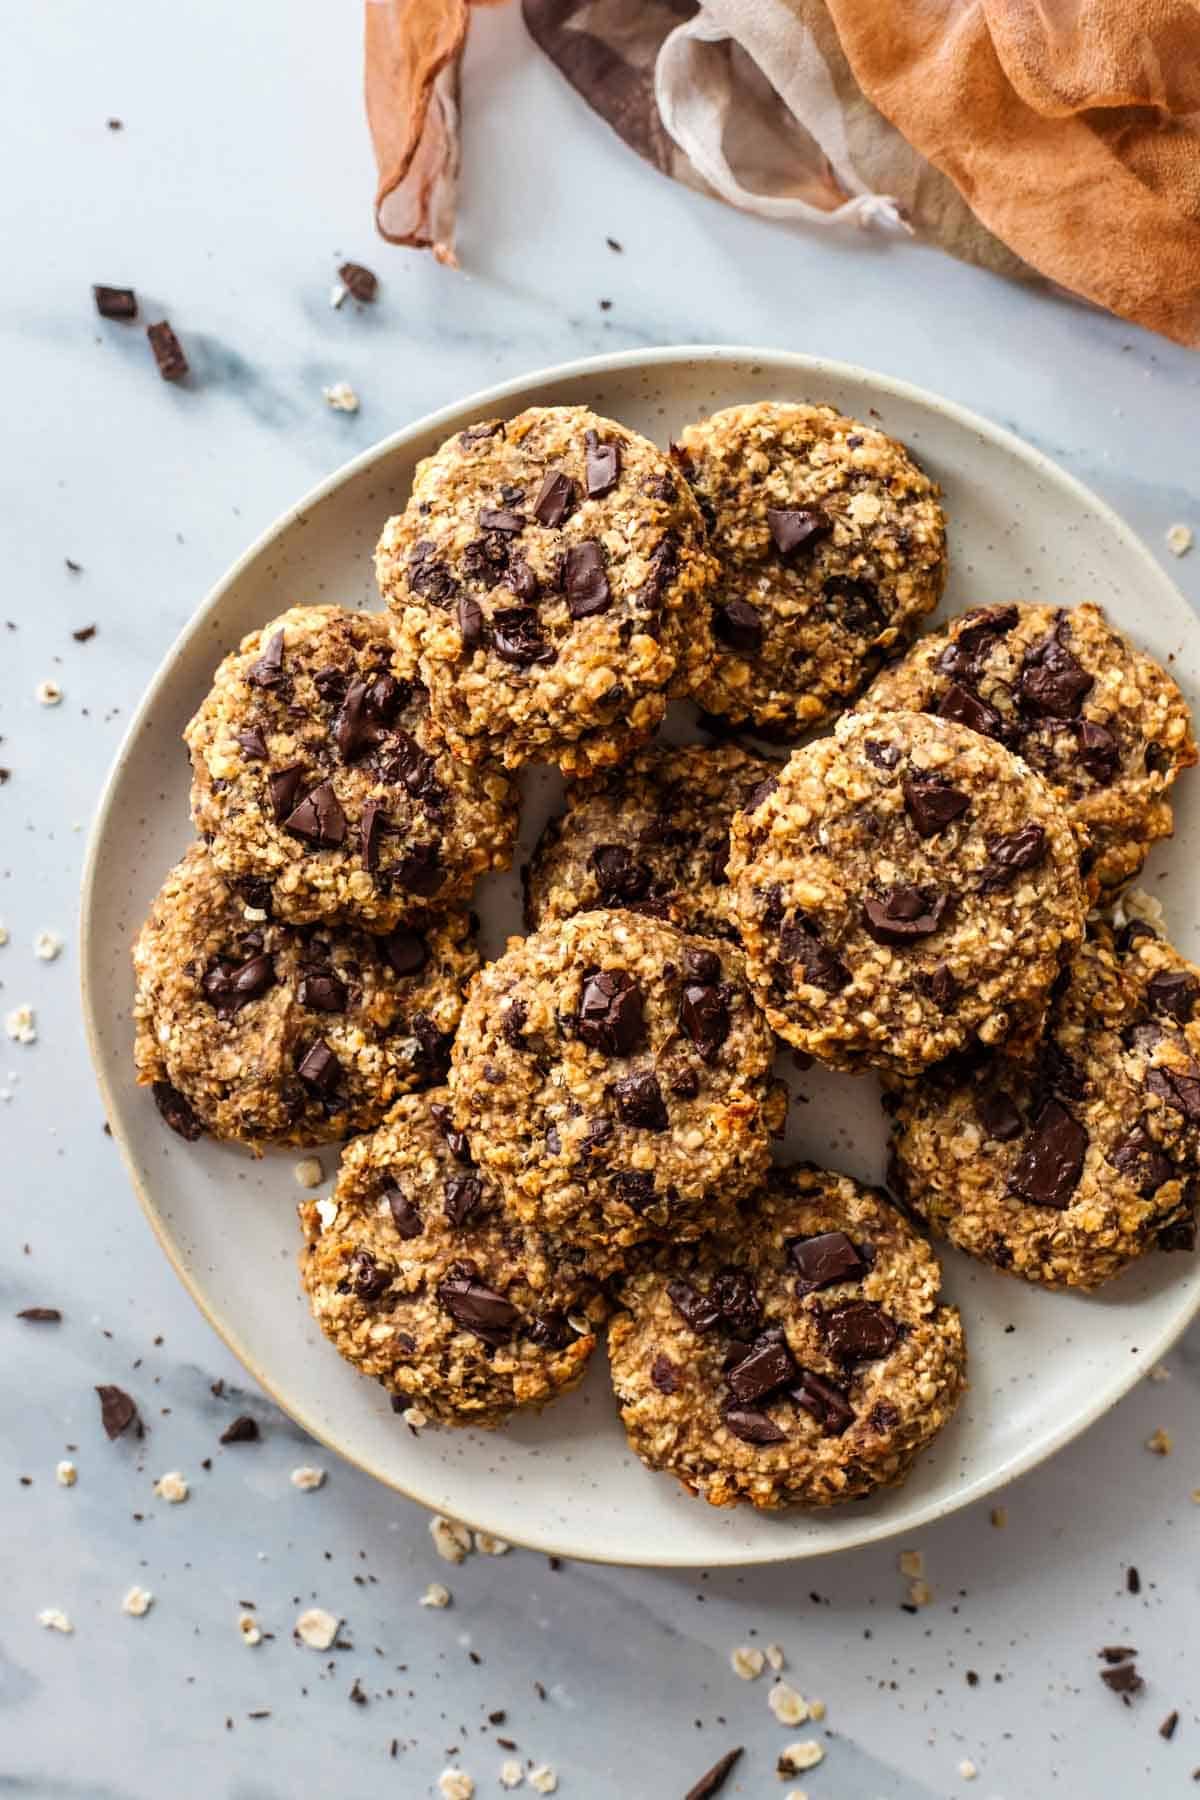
(406, 763)
(323, 991)
(461, 1195)
(884, 756)
(177, 1112)
(704, 1015)
(254, 744)
(501, 518)
(858, 1331)
(476, 1308)
(40, 1315)
(697, 1310)
(420, 871)
(685, 1083)
(586, 583)
(242, 1430)
(619, 879)
(1024, 848)
(733, 1293)
(702, 965)
(362, 284)
(552, 1330)
(456, 1141)
(229, 986)
(319, 1069)
(1158, 759)
(739, 625)
(931, 803)
(370, 1278)
(827, 1403)
(168, 351)
(941, 986)
(975, 637)
(762, 790)
(823, 1259)
(556, 499)
(285, 785)
(355, 732)
(118, 1412)
(1140, 1160)
(1048, 1169)
(794, 526)
(857, 605)
(115, 303)
(603, 466)
(1053, 681)
(714, 1779)
(433, 1046)
(267, 672)
(478, 434)
(318, 819)
(1179, 1234)
(883, 1417)
(664, 1375)
(1099, 752)
(610, 1013)
(962, 707)
(767, 1365)
(1180, 1088)
(997, 1113)
(640, 1102)
(598, 1132)
(635, 1187)
(405, 952)
(428, 577)
(470, 622)
(406, 1214)
(520, 579)
(371, 829)
(798, 942)
(751, 1425)
(512, 1024)
(517, 637)
(905, 914)
(1173, 991)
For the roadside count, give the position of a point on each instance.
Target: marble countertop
(240, 179)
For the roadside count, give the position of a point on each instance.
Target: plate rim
(493, 397)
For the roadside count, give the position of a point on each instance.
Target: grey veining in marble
(241, 177)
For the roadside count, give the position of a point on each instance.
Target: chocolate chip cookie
(1065, 1165)
(550, 578)
(319, 782)
(614, 1075)
(1097, 718)
(271, 1033)
(906, 887)
(831, 544)
(419, 1277)
(801, 1359)
(652, 836)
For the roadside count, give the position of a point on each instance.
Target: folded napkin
(1051, 137)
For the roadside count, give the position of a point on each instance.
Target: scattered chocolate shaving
(1123, 1680)
(360, 282)
(41, 1315)
(1133, 1580)
(168, 351)
(714, 1779)
(85, 634)
(243, 1430)
(118, 1411)
(115, 303)
(1167, 1728)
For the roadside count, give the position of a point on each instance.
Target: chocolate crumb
(115, 303)
(40, 1315)
(1124, 1680)
(168, 351)
(362, 284)
(714, 1779)
(243, 1430)
(1133, 1580)
(1167, 1728)
(86, 632)
(118, 1412)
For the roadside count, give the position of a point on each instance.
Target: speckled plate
(1043, 1366)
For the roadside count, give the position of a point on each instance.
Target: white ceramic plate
(1042, 1366)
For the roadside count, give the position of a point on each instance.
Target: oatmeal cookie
(652, 836)
(318, 779)
(550, 578)
(420, 1278)
(1066, 1165)
(905, 887)
(802, 1358)
(1095, 717)
(614, 1075)
(271, 1033)
(832, 546)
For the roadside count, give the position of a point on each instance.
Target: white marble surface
(240, 180)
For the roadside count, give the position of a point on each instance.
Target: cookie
(801, 1359)
(652, 836)
(272, 1033)
(614, 1075)
(832, 546)
(906, 887)
(1066, 1165)
(1097, 718)
(550, 578)
(419, 1277)
(318, 779)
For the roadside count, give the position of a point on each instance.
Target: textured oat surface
(420, 1278)
(832, 546)
(652, 835)
(614, 1076)
(317, 775)
(802, 1359)
(1065, 1165)
(550, 589)
(1094, 716)
(241, 1014)
(907, 886)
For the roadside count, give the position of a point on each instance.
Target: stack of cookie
(585, 1137)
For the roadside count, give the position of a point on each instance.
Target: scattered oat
(544, 1779)
(487, 1545)
(66, 1474)
(1159, 1372)
(249, 1627)
(511, 1774)
(327, 1212)
(54, 1619)
(912, 1562)
(414, 1418)
(747, 1662)
(337, 294)
(47, 945)
(1160, 1443)
(436, 1595)
(816, 1709)
(796, 1758)
(308, 1480)
(1196, 1496)
(999, 1517)
(21, 1026)
(172, 1487)
(48, 693)
(775, 1657)
(137, 1602)
(1180, 539)
(795, 1794)
(920, 1593)
(341, 397)
(3, 936)
(317, 1628)
(455, 1784)
(308, 1172)
(451, 1540)
(967, 1769)
(789, 1707)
